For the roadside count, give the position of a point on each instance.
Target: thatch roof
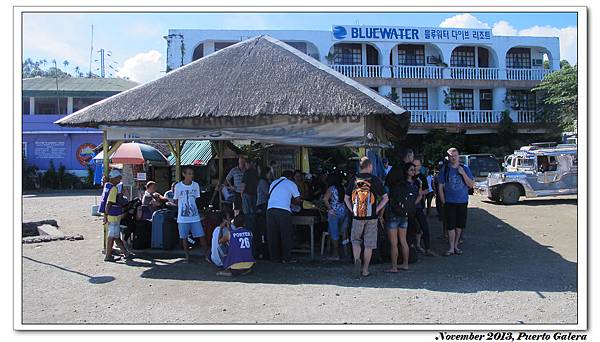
(258, 76)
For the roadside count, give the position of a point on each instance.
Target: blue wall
(47, 141)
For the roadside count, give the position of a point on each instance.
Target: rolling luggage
(170, 233)
(142, 235)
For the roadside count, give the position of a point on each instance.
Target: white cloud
(38, 39)
(566, 35)
(503, 28)
(143, 67)
(464, 20)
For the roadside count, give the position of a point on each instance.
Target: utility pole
(91, 51)
(56, 78)
(101, 63)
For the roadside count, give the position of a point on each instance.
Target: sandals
(448, 253)
(458, 251)
(390, 271)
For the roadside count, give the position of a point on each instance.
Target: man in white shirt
(282, 193)
(188, 216)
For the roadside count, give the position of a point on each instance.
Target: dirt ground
(519, 266)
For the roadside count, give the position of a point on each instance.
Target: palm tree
(66, 63)
(77, 71)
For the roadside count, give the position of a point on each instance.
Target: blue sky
(137, 38)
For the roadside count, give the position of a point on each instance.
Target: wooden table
(306, 220)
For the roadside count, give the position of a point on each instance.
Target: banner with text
(409, 34)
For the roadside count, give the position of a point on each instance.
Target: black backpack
(402, 201)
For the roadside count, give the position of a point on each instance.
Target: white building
(453, 78)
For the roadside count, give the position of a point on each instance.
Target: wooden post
(105, 172)
(178, 160)
(104, 155)
(221, 154)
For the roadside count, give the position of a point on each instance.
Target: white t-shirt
(186, 198)
(281, 196)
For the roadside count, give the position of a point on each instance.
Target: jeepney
(533, 172)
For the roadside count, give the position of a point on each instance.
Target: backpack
(362, 198)
(402, 201)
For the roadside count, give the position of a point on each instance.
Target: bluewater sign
(409, 34)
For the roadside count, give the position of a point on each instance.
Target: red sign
(85, 153)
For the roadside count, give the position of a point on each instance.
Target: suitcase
(170, 233)
(142, 235)
(157, 228)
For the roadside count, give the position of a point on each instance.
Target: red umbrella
(136, 153)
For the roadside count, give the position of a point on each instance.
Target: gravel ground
(519, 266)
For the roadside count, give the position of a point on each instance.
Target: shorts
(237, 201)
(396, 222)
(114, 230)
(364, 230)
(194, 227)
(456, 215)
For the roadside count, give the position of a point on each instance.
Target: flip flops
(458, 251)
(448, 253)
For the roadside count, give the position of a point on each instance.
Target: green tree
(558, 94)
(31, 68)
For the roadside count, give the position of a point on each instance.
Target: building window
(375, 89)
(347, 54)
(461, 99)
(522, 100)
(82, 102)
(25, 105)
(518, 58)
(198, 52)
(222, 45)
(301, 46)
(50, 105)
(414, 98)
(411, 55)
(24, 150)
(463, 56)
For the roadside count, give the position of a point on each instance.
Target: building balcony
(467, 117)
(436, 72)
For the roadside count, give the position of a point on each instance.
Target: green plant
(49, 179)
(393, 95)
(29, 176)
(330, 57)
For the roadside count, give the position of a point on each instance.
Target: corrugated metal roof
(77, 84)
(192, 151)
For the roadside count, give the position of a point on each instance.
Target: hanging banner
(308, 131)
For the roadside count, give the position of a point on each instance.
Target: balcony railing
(428, 116)
(359, 70)
(468, 116)
(435, 72)
(461, 73)
(526, 74)
(415, 71)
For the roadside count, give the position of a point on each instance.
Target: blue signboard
(404, 34)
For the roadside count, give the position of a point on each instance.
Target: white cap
(114, 173)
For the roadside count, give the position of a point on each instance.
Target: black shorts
(456, 215)
(237, 201)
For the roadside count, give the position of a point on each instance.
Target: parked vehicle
(534, 172)
(481, 164)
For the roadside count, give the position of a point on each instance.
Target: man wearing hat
(112, 215)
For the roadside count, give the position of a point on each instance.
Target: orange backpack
(362, 199)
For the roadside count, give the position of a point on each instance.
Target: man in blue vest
(236, 242)
(111, 206)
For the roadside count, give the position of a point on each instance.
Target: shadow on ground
(497, 257)
(538, 202)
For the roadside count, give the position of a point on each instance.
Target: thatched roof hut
(247, 91)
